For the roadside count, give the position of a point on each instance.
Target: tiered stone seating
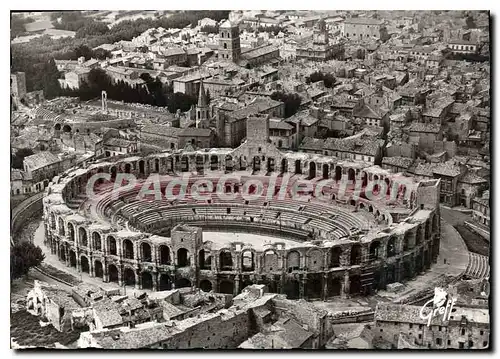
(478, 266)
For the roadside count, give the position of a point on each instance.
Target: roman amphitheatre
(339, 245)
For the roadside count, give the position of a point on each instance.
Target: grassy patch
(25, 329)
(71, 279)
(474, 242)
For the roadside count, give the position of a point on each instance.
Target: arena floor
(257, 241)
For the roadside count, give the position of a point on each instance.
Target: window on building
(485, 344)
(481, 332)
(463, 331)
(461, 345)
(449, 342)
(438, 341)
(411, 325)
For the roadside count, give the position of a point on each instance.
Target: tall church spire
(202, 97)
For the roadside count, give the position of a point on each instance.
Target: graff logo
(442, 304)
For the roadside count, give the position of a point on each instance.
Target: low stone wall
(23, 211)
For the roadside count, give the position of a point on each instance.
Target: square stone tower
(258, 129)
(186, 242)
(229, 42)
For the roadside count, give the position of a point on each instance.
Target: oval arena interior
(333, 242)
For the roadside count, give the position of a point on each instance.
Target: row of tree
(23, 257)
(152, 93)
(328, 79)
(291, 100)
(36, 57)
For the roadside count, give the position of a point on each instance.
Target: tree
(207, 29)
(18, 158)
(470, 23)
(316, 76)
(180, 101)
(291, 101)
(83, 51)
(23, 257)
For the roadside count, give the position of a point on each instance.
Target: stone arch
(98, 269)
(391, 247)
(84, 264)
(204, 260)
(200, 163)
(183, 257)
(338, 173)
(226, 287)
(314, 286)
(146, 253)
(57, 127)
(292, 289)
(214, 162)
(312, 169)
(298, 167)
(128, 276)
(315, 260)
(66, 128)
(388, 186)
(164, 254)
(113, 273)
(112, 172)
(326, 171)
(335, 253)
(128, 249)
(355, 254)
(141, 167)
(96, 241)
(335, 287)
(184, 163)
(128, 167)
(205, 285)
(284, 165)
(243, 163)
(62, 252)
(165, 282)
(270, 261)
(62, 232)
(364, 179)
(182, 283)
(147, 280)
(229, 163)
(82, 235)
(52, 221)
(256, 163)
(293, 260)
(72, 258)
(351, 175)
(112, 246)
(271, 164)
(157, 165)
(247, 261)
(355, 285)
(374, 250)
(170, 164)
(225, 260)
